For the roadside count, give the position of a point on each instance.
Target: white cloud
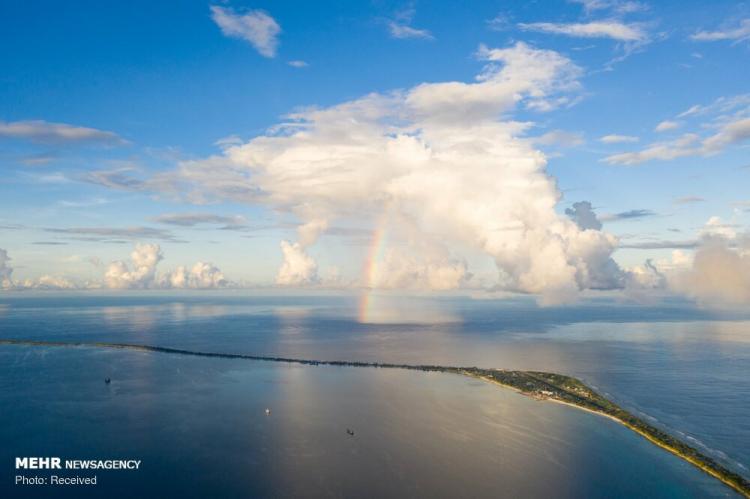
(618, 139)
(298, 267)
(57, 133)
(144, 258)
(50, 282)
(738, 33)
(616, 6)
(401, 28)
(715, 228)
(419, 266)
(612, 29)
(667, 125)
(141, 273)
(403, 31)
(500, 22)
(254, 26)
(719, 275)
(438, 155)
(664, 151)
(201, 276)
(690, 144)
(561, 138)
(298, 64)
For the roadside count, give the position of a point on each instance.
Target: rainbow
(374, 257)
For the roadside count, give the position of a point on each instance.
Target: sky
(552, 148)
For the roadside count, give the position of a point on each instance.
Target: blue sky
(138, 89)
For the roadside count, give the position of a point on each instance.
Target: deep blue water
(200, 422)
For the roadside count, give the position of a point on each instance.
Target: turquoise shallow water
(200, 422)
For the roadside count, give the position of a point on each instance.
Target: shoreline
(541, 386)
(632, 428)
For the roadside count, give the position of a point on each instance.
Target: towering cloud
(444, 156)
(298, 267)
(144, 258)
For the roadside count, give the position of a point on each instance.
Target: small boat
(107, 380)
(350, 432)
(268, 411)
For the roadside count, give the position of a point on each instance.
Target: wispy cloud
(689, 200)
(560, 138)
(254, 26)
(57, 133)
(667, 125)
(400, 27)
(298, 64)
(615, 6)
(665, 244)
(737, 33)
(729, 121)
(612, 29)
(627, 215)
(617, 139)
(193, 219)
(500, 22)
(105, 234)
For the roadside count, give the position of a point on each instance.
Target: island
(539, 385)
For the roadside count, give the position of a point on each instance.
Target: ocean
(200, 428)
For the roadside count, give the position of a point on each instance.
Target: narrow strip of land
(540, 385)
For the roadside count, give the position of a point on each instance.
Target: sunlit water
(202, 420)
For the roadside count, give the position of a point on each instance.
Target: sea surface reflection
(684, 368)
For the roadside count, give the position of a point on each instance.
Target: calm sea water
(199, 424)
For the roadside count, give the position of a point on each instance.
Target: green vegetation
(557, 387)
(541, 385)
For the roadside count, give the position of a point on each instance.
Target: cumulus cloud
(617, 139)
(254, 26)
(141, 273)
(57, 133)
(44, 282)
(719, 275)
(737, 33)
(444, 156)
(50, 282)
(613, 29)
(201, 276)
(298, 267)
